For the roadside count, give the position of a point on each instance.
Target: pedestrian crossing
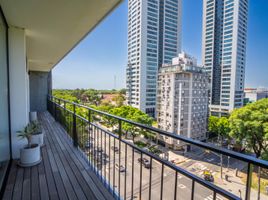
(210, 197)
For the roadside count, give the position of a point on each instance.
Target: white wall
(19, 87)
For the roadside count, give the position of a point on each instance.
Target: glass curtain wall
(4, 113)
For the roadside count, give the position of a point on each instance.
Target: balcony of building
(82, 159)
(62, 174)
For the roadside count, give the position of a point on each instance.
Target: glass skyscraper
(224, 52)
(154, 38)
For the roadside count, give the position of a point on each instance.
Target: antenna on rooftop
(115, 82)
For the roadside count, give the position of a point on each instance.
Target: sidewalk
(234, 184)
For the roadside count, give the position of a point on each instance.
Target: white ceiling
(54, 27)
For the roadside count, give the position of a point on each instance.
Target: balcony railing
(112, 157)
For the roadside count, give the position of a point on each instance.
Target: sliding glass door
(4, 114)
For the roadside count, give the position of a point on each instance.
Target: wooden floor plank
(70, 175)
(26, 187)
(54, 155)
(52, 189)
(62, 174)
(88, 174)
(35, 190)
(17, 192)
(10, 182)
(44, 193)
(85, 181)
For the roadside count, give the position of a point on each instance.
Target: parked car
(121, 167)
(145, 162)
(116, 149)
(137, 151)
(88, 144)
(99, 149)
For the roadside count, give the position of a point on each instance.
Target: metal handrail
(227, 152)
(184, 172)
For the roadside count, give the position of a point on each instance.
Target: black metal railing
(131, 172)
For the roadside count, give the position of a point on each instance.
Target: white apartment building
(255, 94)
(224, 52)
(182, 99)
(154, 37)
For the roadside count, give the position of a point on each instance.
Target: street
(135, 178)
(111, 172)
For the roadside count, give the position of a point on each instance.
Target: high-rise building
(154, 38)
(224, 52)
(182, 99)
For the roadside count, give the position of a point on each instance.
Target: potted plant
(38, 135)
(30, 154)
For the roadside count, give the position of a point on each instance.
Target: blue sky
(102, 55)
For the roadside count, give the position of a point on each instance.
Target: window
(4, 115)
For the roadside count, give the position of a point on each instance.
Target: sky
(99, 61)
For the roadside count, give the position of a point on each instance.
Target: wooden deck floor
(62, 174)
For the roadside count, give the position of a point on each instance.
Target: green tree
(220, 127)
(119, 99)
(223, 128)
(123, 91)
(212, 124)
(92, 96)
(135, 115)
(78, 93)
(249, 125)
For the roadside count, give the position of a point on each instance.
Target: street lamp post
(228, 161)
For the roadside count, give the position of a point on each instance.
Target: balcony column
(19, 86)
(40, 87)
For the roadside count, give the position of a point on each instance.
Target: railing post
(89, 116)
(249, 181)
(89, 121)
(120, 138)
(59, 114)
(120, 129)
(75, 138)
(48, 108)
(55, 109)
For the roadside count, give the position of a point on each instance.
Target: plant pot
(33, 116)
(38, 138)
(30, 156)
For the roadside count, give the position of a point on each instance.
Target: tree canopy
(249, 125)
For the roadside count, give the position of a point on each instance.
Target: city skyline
(110, 52)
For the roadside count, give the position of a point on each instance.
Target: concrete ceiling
(54, 27)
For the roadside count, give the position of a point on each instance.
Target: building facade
(154, 28)
(224, 52)
(254, 94)
(182, 99)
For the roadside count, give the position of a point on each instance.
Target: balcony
(63, 173)
(84, 159)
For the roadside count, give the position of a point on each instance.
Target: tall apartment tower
(182, 100)
(224, 52)
(154, 38)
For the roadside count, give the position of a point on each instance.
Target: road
(141, 175)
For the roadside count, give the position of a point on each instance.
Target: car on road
(145, 162)
(116, 149)
(99, 149)
(88, 144)
(121, 167)
(207, 175)
(137, 151)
